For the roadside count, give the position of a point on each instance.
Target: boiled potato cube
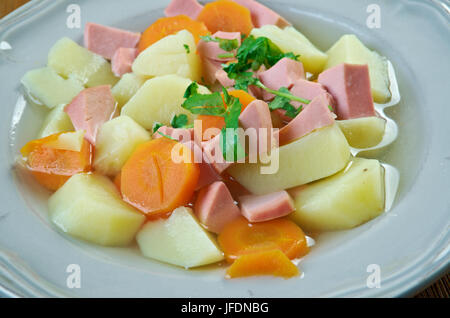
(71, 60)
(126, 87)
(349, 49)
(343, 201)
(116, 141)
(169, 56)
(291, 40)
(56, 121)
(312, 157)
(363, 132)
(179, 240)
(72, 141)
(89, 207)
(158, 100)
(50, 89)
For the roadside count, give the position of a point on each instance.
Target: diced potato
(179, 240)
(57, 121)
(72, 141)
(126, 87)
(169, 56)
(363, 132)
(158, 100)
(88, 206)
(116, 141)
(50, 89)
(349, 49)
(343, 201)
(312, 157)
(291, 40)
(71, 60)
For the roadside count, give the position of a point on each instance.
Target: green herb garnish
(156, 126)
(187, 48)
(179, 121)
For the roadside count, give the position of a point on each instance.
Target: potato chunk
(179, 240)
(70, 60)
(126, 87)
(50, 89)
(56, 121)
(364, 132)
(170, 56)
(312, 157)
(158, 100)
(343, 201)
(88, 206)
(116, 141)
(349, 49)
(291, 40)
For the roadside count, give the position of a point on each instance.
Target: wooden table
(440, 289)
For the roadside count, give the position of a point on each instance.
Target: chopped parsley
(187, 48)
(224, 44)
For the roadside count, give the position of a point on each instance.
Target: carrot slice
(52, 167)
(241, 237)
(271, 262)
(153, 182)
(171, 25)
(209, 121)
(117, 181)
(226, 15)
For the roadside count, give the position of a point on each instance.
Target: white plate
(410, 243)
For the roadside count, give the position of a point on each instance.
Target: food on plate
(56, 121)
(349, 49)
(173, 54)
(179, 240)
(89, 207)
(45, 86)
(347, 199)
(71, 60)
(158, 100)
(364, 132)
(219, 133)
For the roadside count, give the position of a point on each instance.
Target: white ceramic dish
(410, 243)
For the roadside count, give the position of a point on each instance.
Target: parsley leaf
(224, 44)
(282, 102)
(156, 126)
(179, 121)
(203, 104)
(187, 48)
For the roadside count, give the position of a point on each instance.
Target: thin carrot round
(241, 237)
(171, 25)
(153, 182)
(227, 16)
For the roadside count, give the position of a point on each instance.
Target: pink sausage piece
(90, 109)
(208, 174)
(307, 90)
(256, 117)
(223, 79)
(183, 135)
(215, 207)
(314, 116)
(349, 84)
(104, 40)
(262, 15)
(283, 74)
(260, 208)
(213, 153)
(210, 69)
(211, 50)
(191, 8)
(122, 60)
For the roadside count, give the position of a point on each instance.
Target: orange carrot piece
(52, 167)
(226, 15)
(271, 262)
(241, 237)
(209, 121)
(171, 25)
(153, 183)
(117, 181)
